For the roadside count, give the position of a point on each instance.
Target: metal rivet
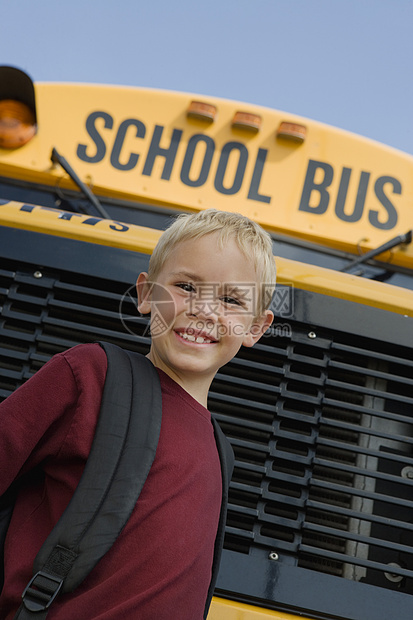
(392, 576)
(273, 555)
(312, 335)
(407, 472)
(38, 274)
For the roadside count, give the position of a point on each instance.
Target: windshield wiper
(389, 245)
(59, 159)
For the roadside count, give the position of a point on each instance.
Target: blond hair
(252, 240)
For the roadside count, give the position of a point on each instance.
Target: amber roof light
(202, 111)
(247, 120)
(17, 124)
(292, 131)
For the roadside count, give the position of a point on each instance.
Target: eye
(233, 301)
(186, 286)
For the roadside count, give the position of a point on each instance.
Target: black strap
(226, 457)
(121, 456)
(7, 501)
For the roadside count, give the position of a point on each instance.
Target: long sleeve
(38, 418)
(46, 431)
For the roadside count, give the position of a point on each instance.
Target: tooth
(189, 337)
(200, 340)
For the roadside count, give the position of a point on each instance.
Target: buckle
(41, 591)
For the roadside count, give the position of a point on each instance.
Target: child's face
(203, 308)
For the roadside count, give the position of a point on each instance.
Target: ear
(258, 328)
(144, 290)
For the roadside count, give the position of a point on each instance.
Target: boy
(208, 289)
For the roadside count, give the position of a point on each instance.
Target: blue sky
(347, 63)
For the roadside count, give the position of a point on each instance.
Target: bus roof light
(292, 131)
(17, 108)
(17, 124)
(246, 120)
(202, 111)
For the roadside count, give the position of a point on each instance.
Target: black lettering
(119, 227)
(253, 193)
(391, 211)
(96, 137)
(321, 188)
(155, 150)
(342, 193)
(91, 221)
(68, 216)
(355, 216)
(361, 195)
(120, 137)
(222, 166)
(206, 164)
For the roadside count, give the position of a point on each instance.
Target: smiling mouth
(198, 338)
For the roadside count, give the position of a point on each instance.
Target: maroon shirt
(160, 566)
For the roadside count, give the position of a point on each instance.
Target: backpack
(121, 456)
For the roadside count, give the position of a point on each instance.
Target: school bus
(320, 411)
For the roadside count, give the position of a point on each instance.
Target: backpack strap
(226, 457)
(121, 456)
(7, 501)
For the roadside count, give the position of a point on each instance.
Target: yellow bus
(320, 412)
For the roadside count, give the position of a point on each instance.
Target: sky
(346, 63)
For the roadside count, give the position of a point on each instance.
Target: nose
(204, 306)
